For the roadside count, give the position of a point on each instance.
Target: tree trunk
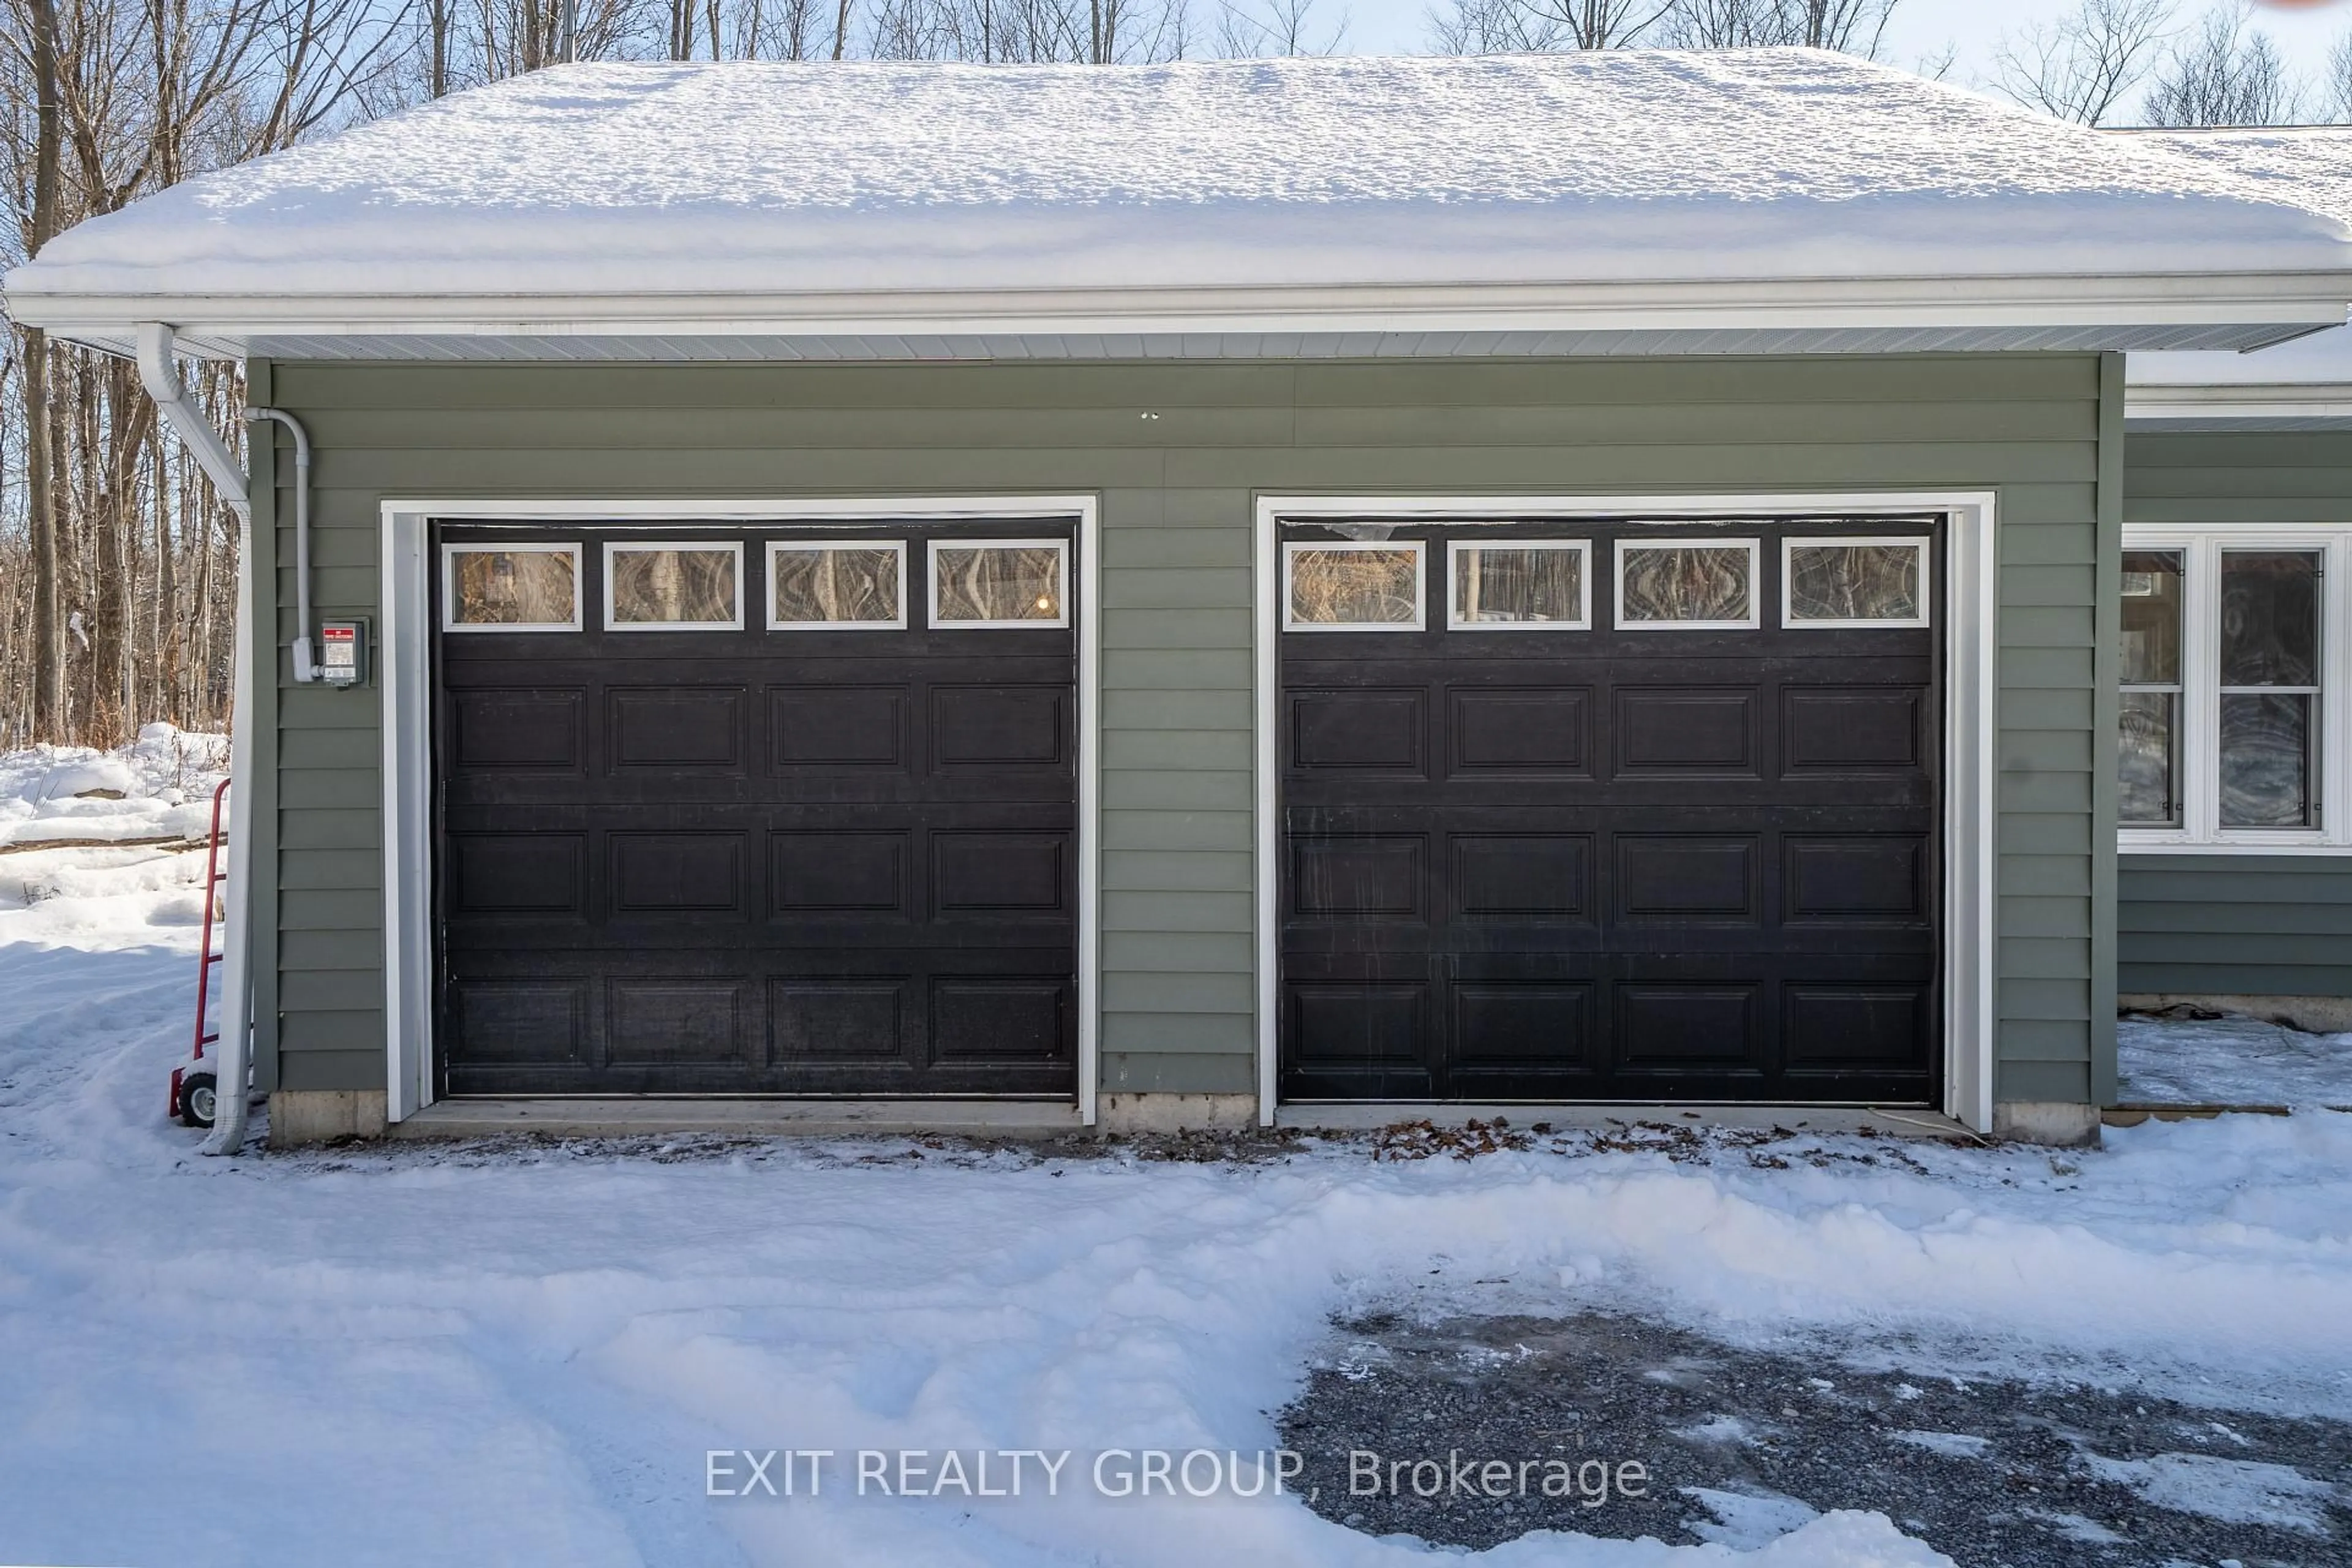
(40, 454)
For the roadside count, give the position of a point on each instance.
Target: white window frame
(1917, 543)
(449, 553)
(820, 546)
(1061, 549)
(1455, 549)
(1755, 584)
(1417, 548)
(615, 548)
(2199, 743)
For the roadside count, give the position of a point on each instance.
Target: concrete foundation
(1175, 1113)
(2312, 1015)
(2058, 1122)
(298, 1116)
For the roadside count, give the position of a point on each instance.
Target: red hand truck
(195, 1086)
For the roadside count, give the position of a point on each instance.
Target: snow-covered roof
(1609, 191)
(2307, 382)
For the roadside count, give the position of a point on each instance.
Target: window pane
(669, 587)
(2151, 617)
(836, 585)
(1684, 582)
(1503, 585)
(1854, 581)
(2270, 619)
(515, 587)
(2151, 732)
(1355, 587)
(2266, 760)
(998, 582)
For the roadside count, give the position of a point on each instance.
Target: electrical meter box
(342, 652)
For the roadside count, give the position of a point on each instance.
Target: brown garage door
(1645, 809)
(786, 811)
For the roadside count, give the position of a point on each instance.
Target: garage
(1641, 809)
(728, 809)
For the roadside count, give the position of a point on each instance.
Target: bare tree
(2223, 75)
(1856, 27)
(2079, 67)
(1518, 27)
(1275, 27)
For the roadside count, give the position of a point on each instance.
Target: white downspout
(160, 377)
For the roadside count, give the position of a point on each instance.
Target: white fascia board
(2282, 301)
(2250, 400)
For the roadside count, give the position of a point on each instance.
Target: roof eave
(2139, 310)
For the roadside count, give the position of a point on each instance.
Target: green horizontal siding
(1178, 493)
(2236, 925)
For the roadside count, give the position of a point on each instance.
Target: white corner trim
(405, 672)
(1971, 607)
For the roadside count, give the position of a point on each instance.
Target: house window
(2231, 725)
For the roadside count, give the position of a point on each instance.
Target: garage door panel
(996, 726)
(829, 727)
(1635, 845)
(862, 874)
(1358, 730)
(1361, 877)
(537, 730)
(676, 727)
(1524, 877)
(1539, 1026)
(668, 875)
(1519, 732)
(1684, 878)
(789, 861)
(542, 875)
(1853, 729)
(1680, 732)
(1880, 879)
(1829, 1026)
(1669, 1026)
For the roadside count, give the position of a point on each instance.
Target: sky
(1920, 29)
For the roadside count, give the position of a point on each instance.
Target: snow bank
(768, 178)
(160, 786)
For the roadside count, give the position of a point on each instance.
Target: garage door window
(510, 588)
(842, 585)
(1830, 584)
(1686, 584)
(1353, 586)
(681, 588)
(1527, 584)
(1001, 582)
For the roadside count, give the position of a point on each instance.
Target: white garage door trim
(403, 639)
(1971, 604)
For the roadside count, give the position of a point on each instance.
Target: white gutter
(2268, 304)
(161, 376)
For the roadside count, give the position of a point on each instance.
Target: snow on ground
(522, 1353)
(2230, 1061)
(159, 786)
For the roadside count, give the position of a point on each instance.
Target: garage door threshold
(566, 1118)
(1907, 1122)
